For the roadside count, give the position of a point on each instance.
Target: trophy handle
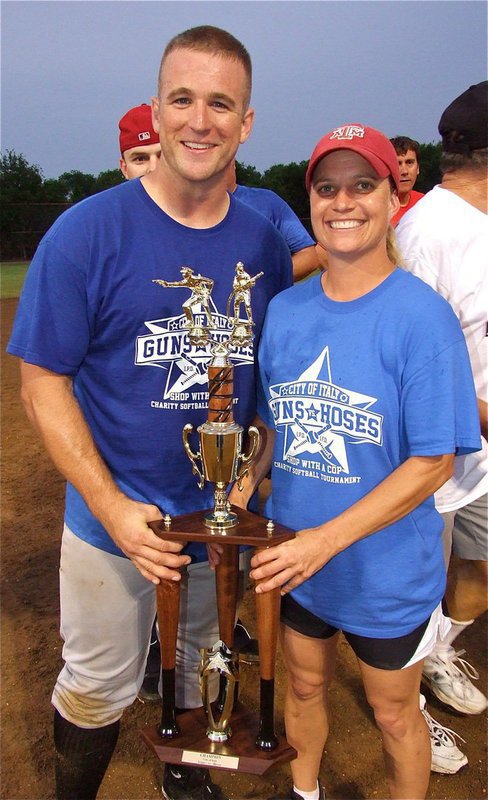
(194, 457)
(247, 459)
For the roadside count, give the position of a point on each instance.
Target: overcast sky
(71, 69)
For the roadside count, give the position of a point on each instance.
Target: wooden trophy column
(253, 745)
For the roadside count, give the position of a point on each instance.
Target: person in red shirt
(408, 152)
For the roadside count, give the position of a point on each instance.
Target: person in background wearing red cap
(110, 378)
(408, 153)
(444, 240)
(140, 148)
(366, 395)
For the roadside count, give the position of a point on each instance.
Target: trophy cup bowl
(220, 460)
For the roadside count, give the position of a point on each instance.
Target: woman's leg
(310, 664)
(394, 698)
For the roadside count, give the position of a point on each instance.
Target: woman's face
(351, 206)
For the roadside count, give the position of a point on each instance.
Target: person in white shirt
(444, 240)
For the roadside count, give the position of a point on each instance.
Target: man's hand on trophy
(155, 558)
(289, 564)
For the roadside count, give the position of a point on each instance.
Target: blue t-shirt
(353, 389)
(274, 208)
(89, 309)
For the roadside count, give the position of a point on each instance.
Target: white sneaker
(447, 675)
(446, 756)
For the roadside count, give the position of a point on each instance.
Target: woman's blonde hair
(392, 250)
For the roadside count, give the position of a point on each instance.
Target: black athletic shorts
(379, 653)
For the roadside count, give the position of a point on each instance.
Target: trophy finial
(241, 296)
(198, 303)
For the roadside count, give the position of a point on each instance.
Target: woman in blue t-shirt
(367, 395)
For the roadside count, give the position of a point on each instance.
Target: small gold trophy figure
(220, 459)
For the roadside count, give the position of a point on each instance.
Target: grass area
(12, 274)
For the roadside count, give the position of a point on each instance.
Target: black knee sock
(82, 757)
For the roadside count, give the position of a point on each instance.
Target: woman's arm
(289, 564)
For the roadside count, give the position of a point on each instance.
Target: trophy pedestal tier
(238, 754)
(252, 530)
(253, 746)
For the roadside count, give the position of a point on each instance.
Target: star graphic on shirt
(168, 347)
(313, 412)
(309, 434)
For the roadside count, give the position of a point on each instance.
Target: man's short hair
(214, 41)
(403, 143)
(476, 160)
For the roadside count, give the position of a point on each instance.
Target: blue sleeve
(439, 406)
(52, 327)
(292, 230)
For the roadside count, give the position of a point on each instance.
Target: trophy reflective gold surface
(222, 734)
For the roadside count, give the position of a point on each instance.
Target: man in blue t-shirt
(139, 154)
(109, 378)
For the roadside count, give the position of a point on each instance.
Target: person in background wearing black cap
(444, 240)
(362, 421)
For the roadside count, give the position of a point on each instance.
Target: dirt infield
(32, 503)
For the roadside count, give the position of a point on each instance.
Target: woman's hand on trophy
(155, 558)
(291, 563)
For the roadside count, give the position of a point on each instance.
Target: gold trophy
(202, 737)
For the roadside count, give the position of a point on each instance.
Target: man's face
(409, 170)
(138, 161)
(201, 114)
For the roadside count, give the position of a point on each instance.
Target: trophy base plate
(251, 529)
(238, 754)
(219, 524)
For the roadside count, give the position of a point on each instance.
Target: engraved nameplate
(209, 760)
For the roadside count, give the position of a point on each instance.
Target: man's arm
(53, 409)
(305, 262)
(483, 412)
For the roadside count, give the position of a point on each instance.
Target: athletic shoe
(189, 783)
(447, 675)
(295, 796)
(447, 758)
(245, 645)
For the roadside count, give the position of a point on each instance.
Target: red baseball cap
(367, 142)
(136, 128)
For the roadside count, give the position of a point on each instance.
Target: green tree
(247, 175)
(77, 185)
(21, 185)
(288, 180)
(20, 181)
(53, 191)
(108, 179)
(430, 172)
